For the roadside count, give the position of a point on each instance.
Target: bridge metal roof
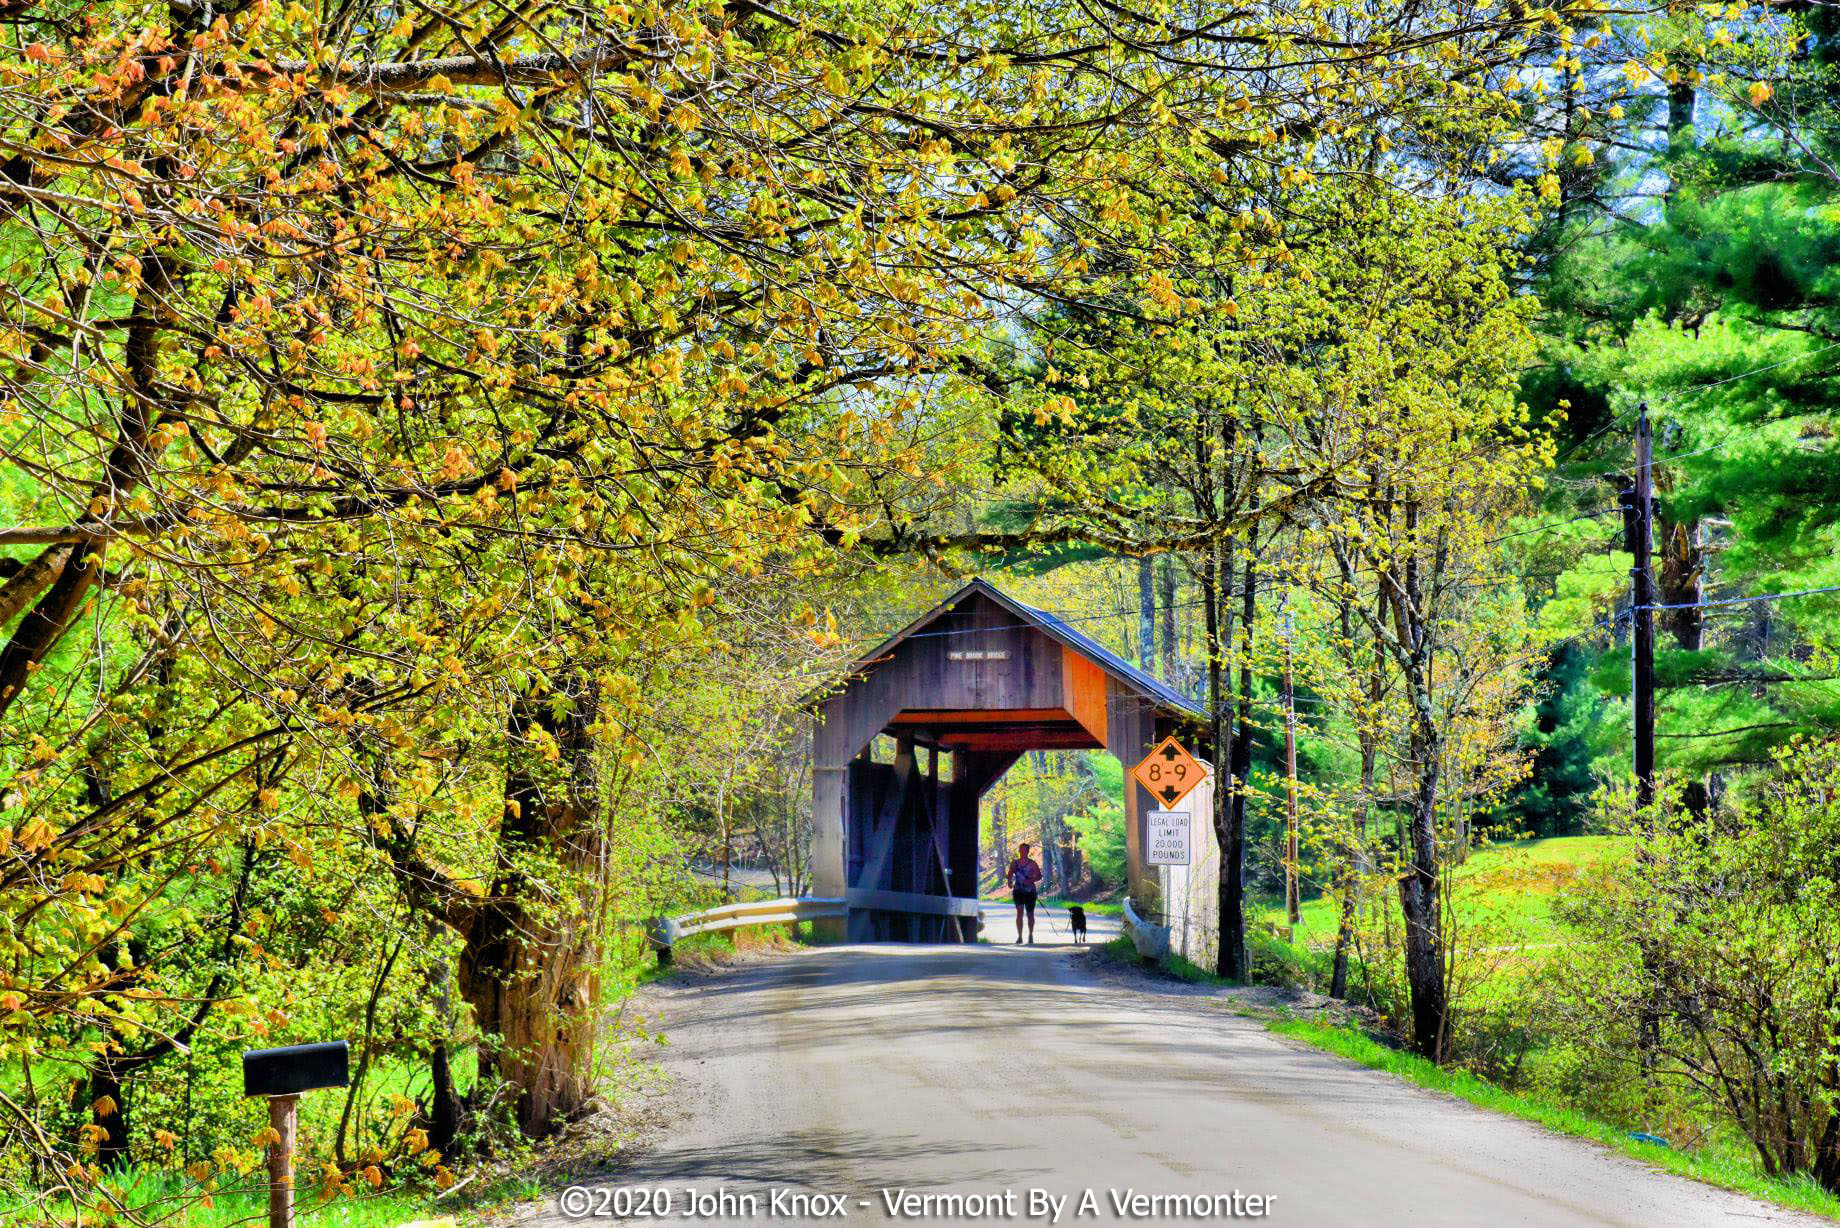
(1165, 695)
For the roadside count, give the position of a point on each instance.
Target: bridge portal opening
(1068, 805)
(962, 693)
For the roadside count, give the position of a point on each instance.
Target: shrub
(1707, 960)
(1276, 962)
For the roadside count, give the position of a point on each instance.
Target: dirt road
(840, 1073)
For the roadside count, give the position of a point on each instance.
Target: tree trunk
(1233, 922)
(728, 855)
(104, 1099)
(527, 965)
(65, 585)
(1358, 867)
(444, 1101)
(1681, 99)
(367, 1046)
(444, 1104)
(104, 1087)
(1418, 886)
(999, 838)
(1217, 613)
(1355, 866)
(45, 623)
(1419, 903)
(1146, 614)
(1061, 853)
(1682, 585)
(1293, 886)
(1166, 602)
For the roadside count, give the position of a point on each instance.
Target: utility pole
(1638, 503)
(1292, 904)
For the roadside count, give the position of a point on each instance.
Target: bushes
(1563, 1071)
(1718, 929)
(1706, 963)
(1285, 965)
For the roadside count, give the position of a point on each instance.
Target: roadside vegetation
(1509, 889)
(1667, 989)
(1727, 1162)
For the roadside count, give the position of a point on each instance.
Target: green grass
(1185, 969)
(1731, 1170)
(162, 1197)
(1504, 896)
(1273, 962)
(1120, 950)
(1099, 908)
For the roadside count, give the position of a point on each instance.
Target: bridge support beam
(828, 846)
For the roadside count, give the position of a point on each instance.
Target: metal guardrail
(913, 902)
(667, 932)
(1151, 941)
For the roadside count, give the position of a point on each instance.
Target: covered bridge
(964, 691)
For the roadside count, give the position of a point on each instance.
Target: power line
(1133, 611)
(1724, 601)
(1732, 379)
(1543, 528)
(1697, 389)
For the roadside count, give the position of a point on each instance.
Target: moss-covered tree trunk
(531, 950)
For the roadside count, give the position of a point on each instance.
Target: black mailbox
(296, 1069)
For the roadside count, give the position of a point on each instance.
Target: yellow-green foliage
(1503, 897)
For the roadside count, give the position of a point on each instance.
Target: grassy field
(1504, 894)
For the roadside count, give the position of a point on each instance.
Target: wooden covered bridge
(964, 691)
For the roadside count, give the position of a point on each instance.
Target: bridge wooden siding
(964, 691)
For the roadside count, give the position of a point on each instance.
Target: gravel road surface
(844, 1072)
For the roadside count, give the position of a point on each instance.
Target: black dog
(1077, 915)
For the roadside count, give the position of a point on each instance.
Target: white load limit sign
(1166, 837)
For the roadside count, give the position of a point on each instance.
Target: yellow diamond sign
(1168, 772)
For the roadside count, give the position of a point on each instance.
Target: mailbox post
(282, 1075)
(283, 1119)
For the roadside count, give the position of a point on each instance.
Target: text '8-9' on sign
(1166, 837)
(1168, 772)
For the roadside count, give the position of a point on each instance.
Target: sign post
(281, 1075)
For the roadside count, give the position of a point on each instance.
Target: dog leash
(1057, 929)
